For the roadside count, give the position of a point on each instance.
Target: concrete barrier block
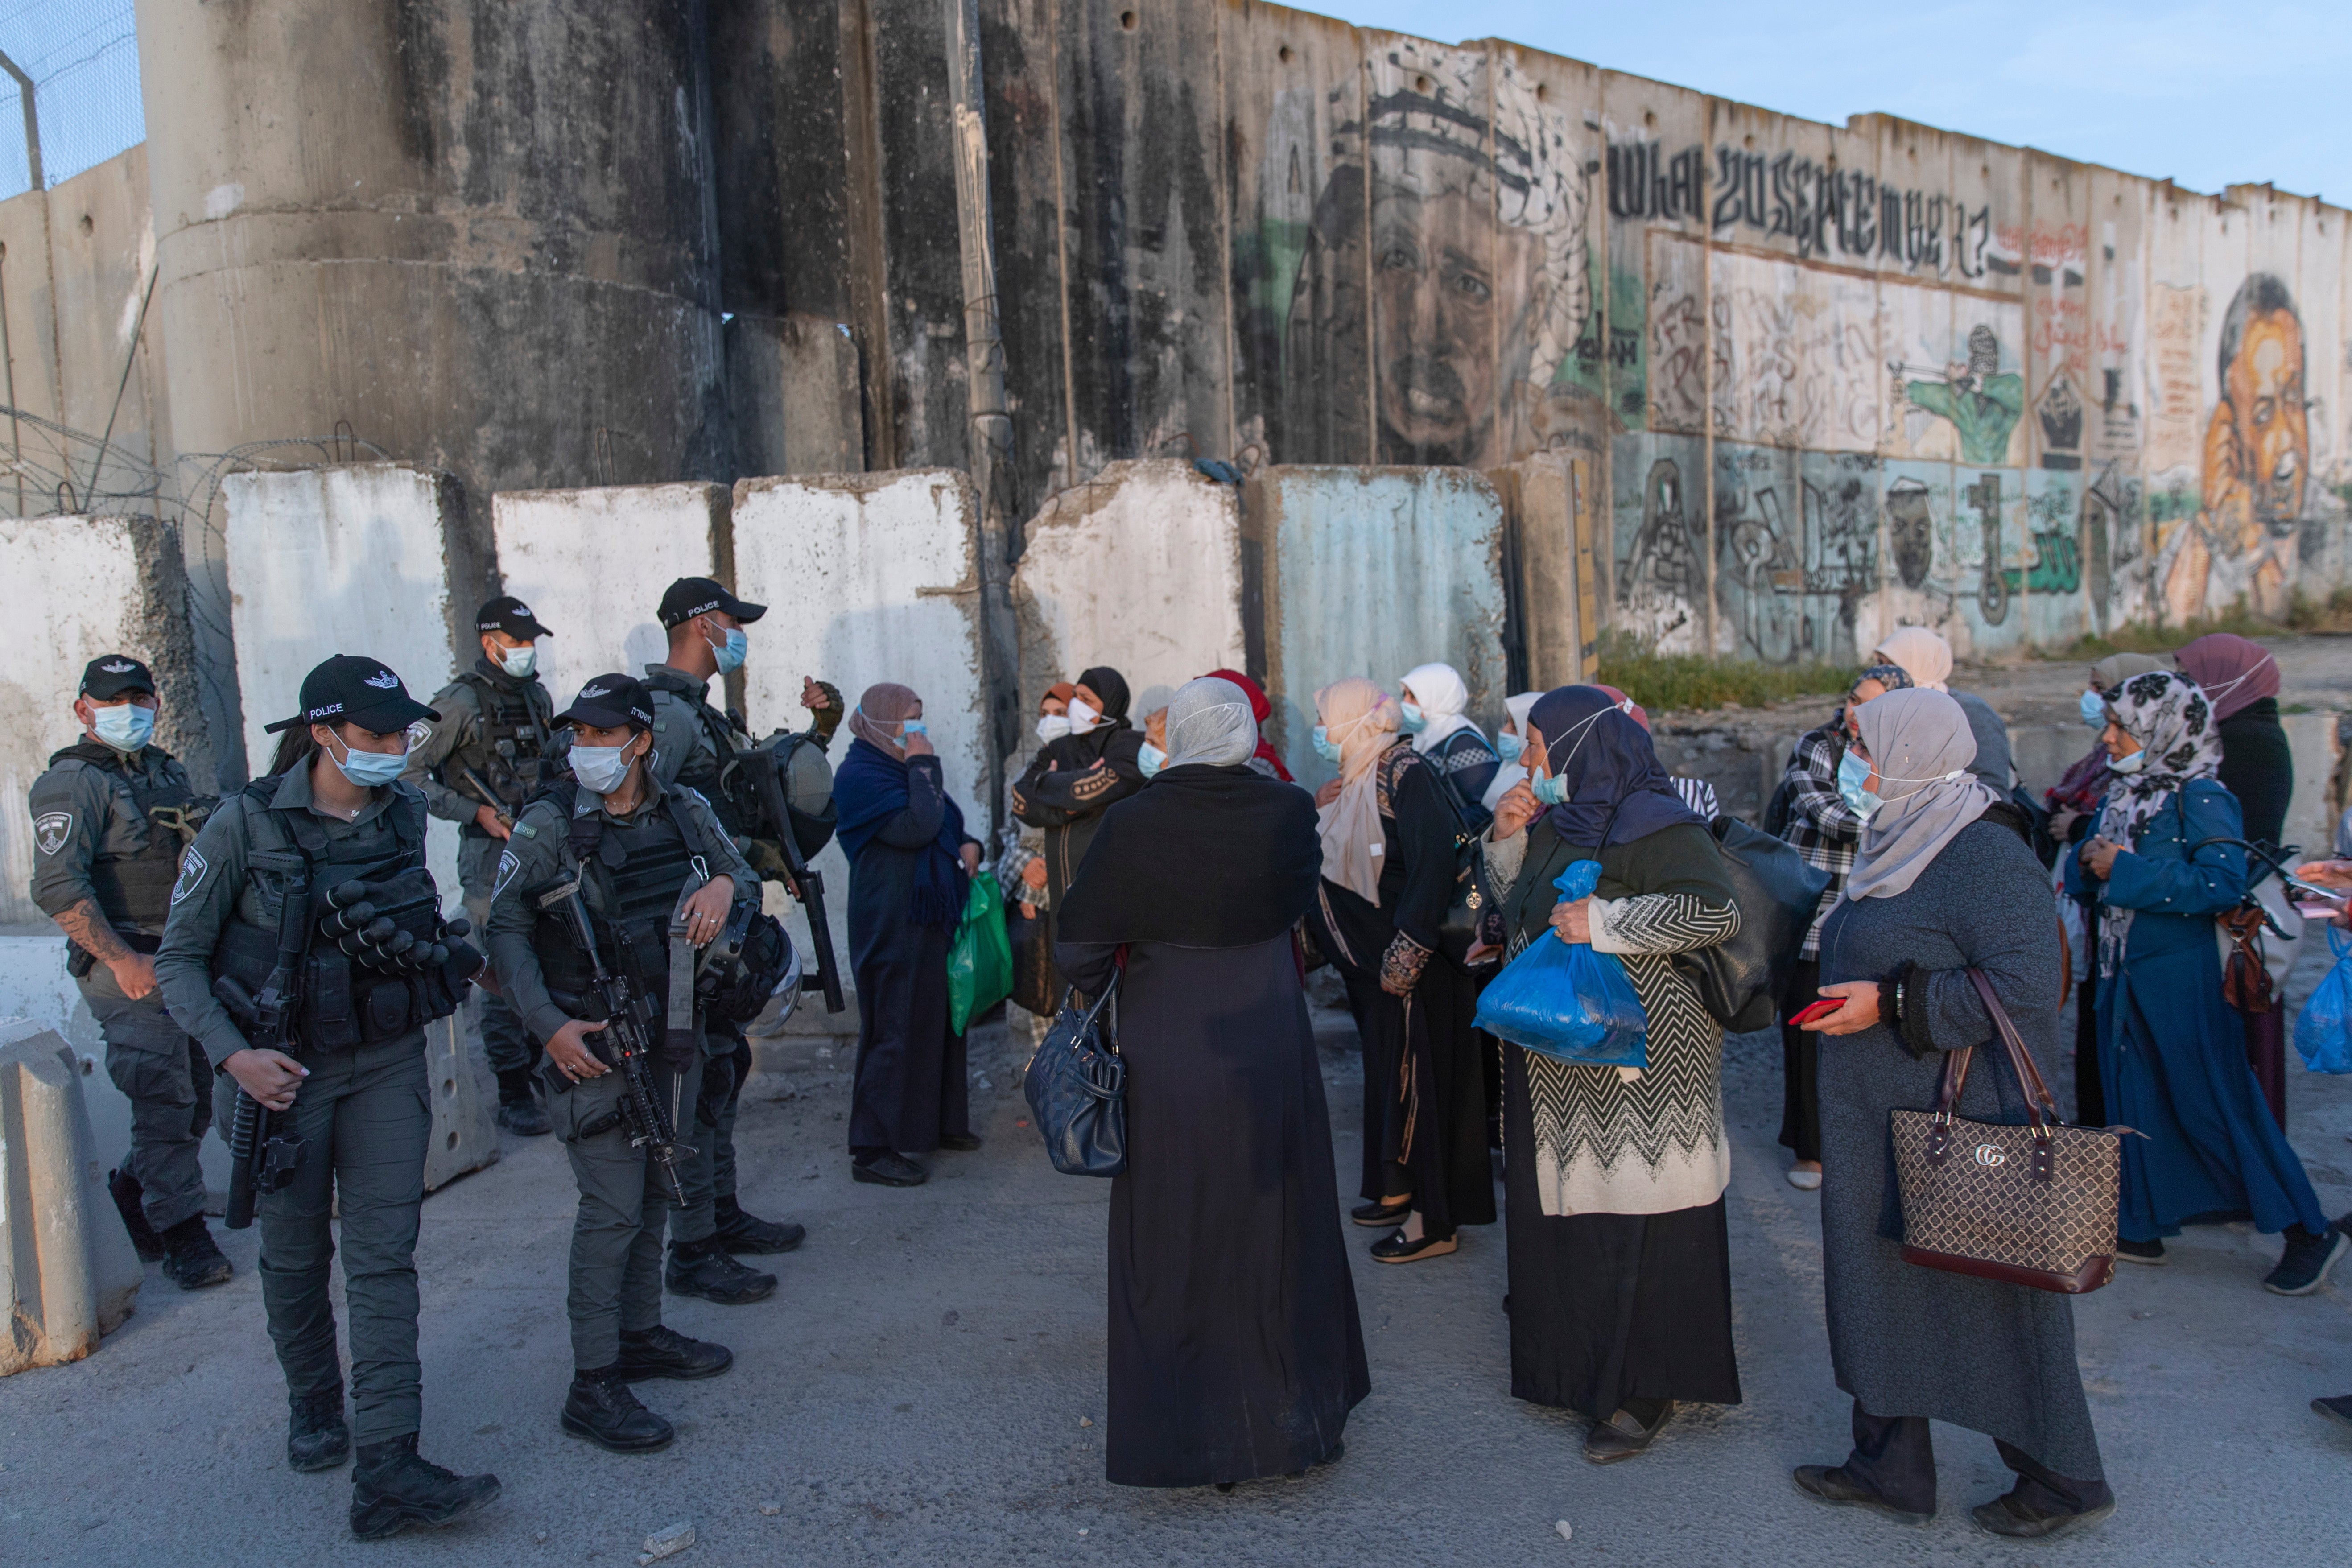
(465, 1132)
(592, 564)
(870, 578)
(1372, 571)
(82, 586)
(66, 1263)
(1140, 568)
(1550, 499)
(2311, 818)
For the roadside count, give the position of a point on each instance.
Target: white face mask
(600, 769)
(1052, 727)
(519, 662)
(1083, 718)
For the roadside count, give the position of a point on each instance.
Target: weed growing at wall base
(1665, 682)
(2328, 617)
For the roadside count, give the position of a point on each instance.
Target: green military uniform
(496, 727)
(107, 831)
(635, 869)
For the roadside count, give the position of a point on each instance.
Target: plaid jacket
(1822, 827)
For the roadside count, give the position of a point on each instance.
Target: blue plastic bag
(2323, 1034)
(1568, 1002)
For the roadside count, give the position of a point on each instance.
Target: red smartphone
(1820, 1009)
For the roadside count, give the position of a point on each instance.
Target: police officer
(278, 863)
(692, 744)
(482, 760)
(636, 848)
(109, 819)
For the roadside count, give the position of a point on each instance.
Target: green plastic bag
(979, 963)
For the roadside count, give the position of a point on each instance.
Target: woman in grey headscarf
(1235, 1349)
(1943, 882)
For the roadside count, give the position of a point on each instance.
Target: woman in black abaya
(1235, 1351)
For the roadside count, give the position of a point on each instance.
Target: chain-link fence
(81, 57)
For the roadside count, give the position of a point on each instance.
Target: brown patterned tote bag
(2032, 1206)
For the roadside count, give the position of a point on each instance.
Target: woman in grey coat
(1944, 881)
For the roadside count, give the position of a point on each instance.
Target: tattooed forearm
(87, 925)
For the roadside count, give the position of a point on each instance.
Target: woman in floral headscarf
(2172, 1054)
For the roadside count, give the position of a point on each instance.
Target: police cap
(608, 702)
(691, 596)
(510, 615)
(354, 689)
(110, 675)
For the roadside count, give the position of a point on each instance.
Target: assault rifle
(489, 796)
(759, 765)
(625, 1045)
(262, 1157)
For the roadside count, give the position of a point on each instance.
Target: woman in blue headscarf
(1613, 1177)
(910, 870)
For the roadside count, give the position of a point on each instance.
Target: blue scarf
(868, 791)
(1615, 785)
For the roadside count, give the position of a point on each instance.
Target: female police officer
(268, 909)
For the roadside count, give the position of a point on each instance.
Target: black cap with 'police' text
(691, 596)
(610, 702)
(353, 688)
(510, 615)
(110, 675)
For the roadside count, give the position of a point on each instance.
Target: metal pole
(32, 121)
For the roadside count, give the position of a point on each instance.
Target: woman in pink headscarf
(2240, 680)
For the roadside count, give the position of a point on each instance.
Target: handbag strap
(2041, 1109)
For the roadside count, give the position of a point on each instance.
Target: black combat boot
(191, 1257)
(662, 1352)
(316, 1436)
(602, 1408)
(520, 1111)
(127, 1194)
(394, 1488)
(741, 1232)
(703, 1268)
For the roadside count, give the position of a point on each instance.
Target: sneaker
(602, 1408)
(2148, 1252)
(889, 1170)
(741, 1232)
(1831, 1483)
(191, 1257)
(703, 1268)
(126, 1193)
(2302, 1267)
(316, 1436)
(662, 1352)
(394, 1488)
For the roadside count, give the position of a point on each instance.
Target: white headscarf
(1509, 773)
(1924, 655)
(1210, 722)
(1921, 745)
(1439, 693)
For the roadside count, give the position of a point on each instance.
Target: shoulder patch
(51, 829)
(526, 830)
(509, 864)
(192, 875)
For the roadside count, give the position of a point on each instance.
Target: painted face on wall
(2264, 388)
(1448, 324)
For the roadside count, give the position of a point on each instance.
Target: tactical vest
(343, 1002)
(636, 887)
(136, 889)
(510, 749)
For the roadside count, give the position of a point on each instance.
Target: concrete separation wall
(67, 1273)
(1141, 568)
(79, 587)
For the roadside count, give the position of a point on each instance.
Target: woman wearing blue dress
(2171, 1051)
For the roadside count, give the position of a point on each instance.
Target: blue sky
(85, 63)
(2208, 94)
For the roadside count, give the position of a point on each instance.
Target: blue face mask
(125, 726)
(1325, 746)
(1853, 773)
(1413, 720)
(2095, 710)
(1152, 759)
(913, 727)
(1552, 789)
(2130, 764)
(731, 653)
(369, 770)
(519, 662)
(1509, 747)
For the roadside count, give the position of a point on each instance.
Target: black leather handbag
(1076, 1088)
(1739, 980)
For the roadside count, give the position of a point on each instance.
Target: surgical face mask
(1552, 789)
(1853, 772)
(369, 769)
(1325, 746)
(731, 653)
(600, 769)
(125, 726)
(1084, 716)
(1152, 759)
(519, 662)
(2130, 764)
(1509, 746)
(1053, 726)
(1413, 720)
(912, 727)
(2095, 710)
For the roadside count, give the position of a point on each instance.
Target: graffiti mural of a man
(2257, 455)
(1475, 250)
(1983, 403)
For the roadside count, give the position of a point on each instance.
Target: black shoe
(1388, 1211)
(2338, 1408)
(662, 1352)
(394, 1487)
(889, 1170)
(2304, 1267)
(1396, 1249)
(191, 1257)
(741, 1232)
(316, 1436)
(703, 1268)
(602, 1408)
(1832, 1484)
(1623, 1436)
(2005, 1515)
(126, 1193)
(960, 1142)
(2151, 1252)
